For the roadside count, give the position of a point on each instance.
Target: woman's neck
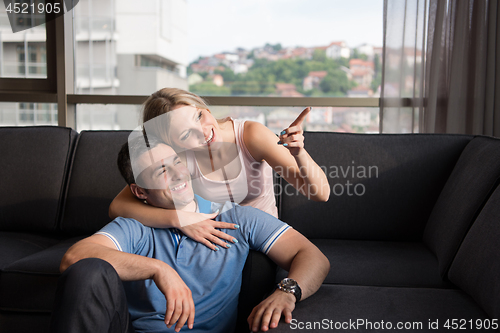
(226, 127)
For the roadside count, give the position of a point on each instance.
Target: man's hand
(205, 232)
(270, 311)
(180, 305)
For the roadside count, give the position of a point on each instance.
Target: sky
(223, 25)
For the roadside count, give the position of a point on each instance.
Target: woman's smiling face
(193, 128)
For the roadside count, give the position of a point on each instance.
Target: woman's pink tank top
(252, 187)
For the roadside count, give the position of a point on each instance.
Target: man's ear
(138, 191)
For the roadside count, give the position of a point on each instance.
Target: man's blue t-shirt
(214, 277)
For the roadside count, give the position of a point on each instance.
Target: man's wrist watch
(290, 286)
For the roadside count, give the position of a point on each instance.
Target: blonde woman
(228, 160)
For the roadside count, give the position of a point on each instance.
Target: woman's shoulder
(257, 138)
(254, 128)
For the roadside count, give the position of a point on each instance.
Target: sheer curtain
(456, 81)
(403, 60)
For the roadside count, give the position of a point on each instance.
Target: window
(155, 62)
(35, 65)
(325, 54)
(28, 114)
(301, 49)
(22, 54)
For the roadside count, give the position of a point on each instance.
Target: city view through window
(334, 70)
(286, 48)
(293, 48)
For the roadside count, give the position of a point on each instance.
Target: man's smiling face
(165, 178)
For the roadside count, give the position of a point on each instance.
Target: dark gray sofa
(415, 241)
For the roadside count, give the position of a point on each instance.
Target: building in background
(362, 72)
(338, 50)
(313, 79)
(122, 47)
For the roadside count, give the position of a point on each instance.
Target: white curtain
(404, 43)
(454, 86)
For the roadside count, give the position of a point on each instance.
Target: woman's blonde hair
(160, 103)
(165, 99)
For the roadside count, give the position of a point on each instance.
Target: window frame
(46, 85)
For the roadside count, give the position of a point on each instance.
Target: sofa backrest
(33, 167)
(476, 268)
(470, 184)
(383, 187)
(94, 180)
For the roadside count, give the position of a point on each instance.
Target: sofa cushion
(94, 181)
(374, 263)
(469, 186)
(33, 172)
(407, 174)
(30, 283)
(15, 246)
(411, 306)
(476, 267)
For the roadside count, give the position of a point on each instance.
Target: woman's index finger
(301, 117)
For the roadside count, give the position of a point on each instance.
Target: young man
(169, 278)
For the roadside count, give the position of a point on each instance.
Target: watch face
(290, 286)
(289, 283)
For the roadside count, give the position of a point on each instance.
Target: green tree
(319, 55)
(227, 74)
(329, 84)
(209, 89)
(355, 54)
(245, 88)
(203, 75)
(343, 62)
(335, 82)
(275, 47)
